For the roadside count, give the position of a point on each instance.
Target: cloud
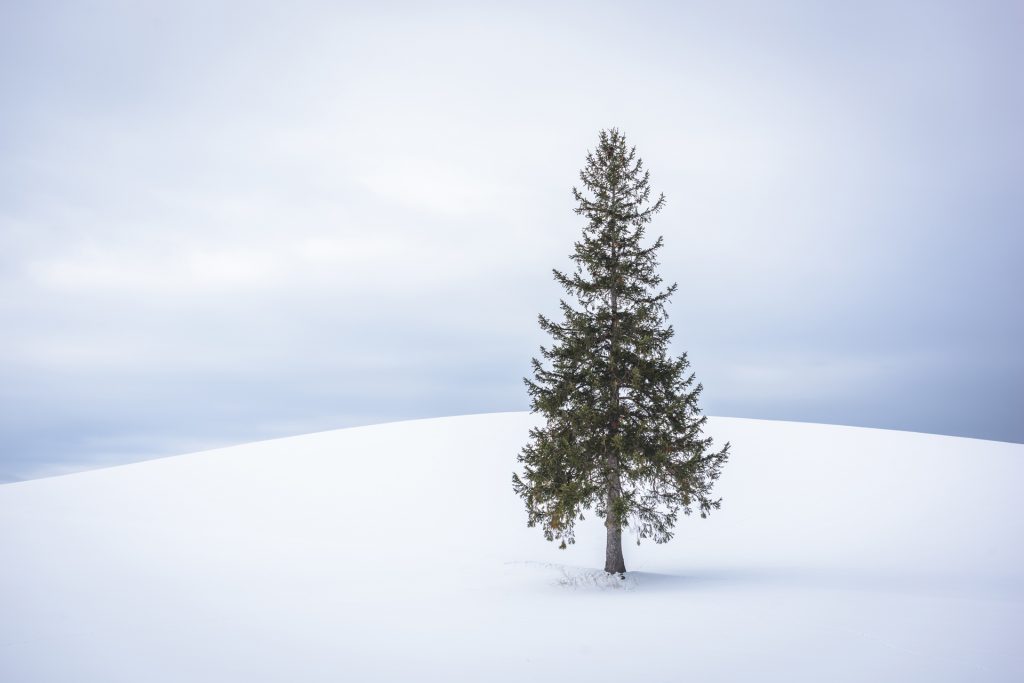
(221, 221)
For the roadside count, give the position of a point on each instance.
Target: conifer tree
(623, 429)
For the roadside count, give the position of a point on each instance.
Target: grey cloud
(234, 222)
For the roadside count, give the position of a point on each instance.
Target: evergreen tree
(623, 427)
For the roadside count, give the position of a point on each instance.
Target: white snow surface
(398, 552)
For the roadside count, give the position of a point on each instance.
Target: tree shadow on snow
(834, 579)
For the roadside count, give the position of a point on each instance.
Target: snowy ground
(398, 552)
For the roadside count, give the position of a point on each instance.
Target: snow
(398, 552)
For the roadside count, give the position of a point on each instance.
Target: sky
(222, 222)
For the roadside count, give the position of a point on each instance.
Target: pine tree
(623, 432)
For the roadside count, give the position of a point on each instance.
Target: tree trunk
(613, 562)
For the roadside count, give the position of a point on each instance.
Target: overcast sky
(226, 222)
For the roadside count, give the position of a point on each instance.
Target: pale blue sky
(225, 222)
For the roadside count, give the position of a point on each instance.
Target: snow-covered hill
(398, 552)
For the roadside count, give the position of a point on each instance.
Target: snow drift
(399, 552)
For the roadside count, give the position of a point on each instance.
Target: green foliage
(623, 430)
